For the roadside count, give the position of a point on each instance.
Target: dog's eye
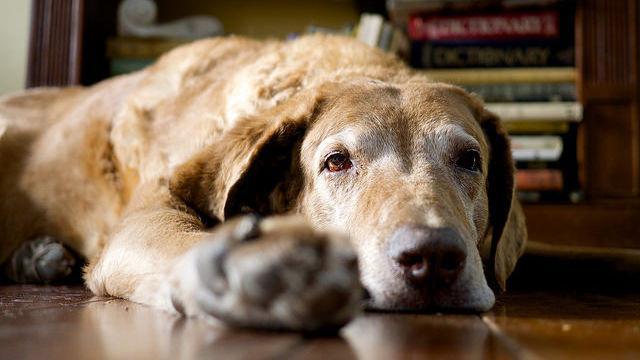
(469, 160)
(337, 161)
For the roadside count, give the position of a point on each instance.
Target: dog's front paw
(277, 273)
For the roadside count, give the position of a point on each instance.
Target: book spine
(385, 36)
(536, 148)
(524, 92)
(522, 25)
(430, 55)
(123, 66)
(399, 43)
(537, 111)
(539, 165)
(369, 28)
(139, 48)
(539, 180)
(503, 75)
(536, 127)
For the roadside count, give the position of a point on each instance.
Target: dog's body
(136, 173)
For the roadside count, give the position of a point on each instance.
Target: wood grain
(607, 53)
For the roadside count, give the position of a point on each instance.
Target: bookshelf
(609, 136)
(607, 59)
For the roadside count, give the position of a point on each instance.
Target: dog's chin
(419, 302)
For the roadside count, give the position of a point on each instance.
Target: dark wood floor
(574, 319)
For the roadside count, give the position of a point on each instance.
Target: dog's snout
(427, 255)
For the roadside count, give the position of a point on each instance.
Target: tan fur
(131, 172)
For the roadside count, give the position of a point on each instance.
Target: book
(370, 28)
(401, 10)
(474, 76)
(346, 30)
(137, 48)
(399, 44)
(537, 111)
(574, 196)
(536, 147)
(513, 54)
(538, 164)
(373, 30)
(123, 66)
(498, 26)
(537, 127)
(386, 35)
(539, 180)
(529, 196)
(524, 92)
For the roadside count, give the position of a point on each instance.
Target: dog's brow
(449, 131)
(446, 138)
(346, 137)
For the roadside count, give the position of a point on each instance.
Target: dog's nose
(427, 255)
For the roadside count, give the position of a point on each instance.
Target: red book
(539, 179)
(504, 26)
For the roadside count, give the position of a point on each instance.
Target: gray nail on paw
(211, 260)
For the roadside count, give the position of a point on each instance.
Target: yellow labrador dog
(239, 179)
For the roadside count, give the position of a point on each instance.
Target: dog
(265, 184)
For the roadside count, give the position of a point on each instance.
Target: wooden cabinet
(69, 36)
(55, 43)
(608, 63)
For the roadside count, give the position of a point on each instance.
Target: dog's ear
(507, 228)
(254, 166)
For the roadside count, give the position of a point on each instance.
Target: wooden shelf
(613, 224)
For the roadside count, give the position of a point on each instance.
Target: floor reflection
(394, 336)
(138, 331)
(142, 332)
(68, 325)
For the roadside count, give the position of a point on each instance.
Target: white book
(536, 148)
(369, 28)
(537, 111)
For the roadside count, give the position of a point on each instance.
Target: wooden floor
(597, 318)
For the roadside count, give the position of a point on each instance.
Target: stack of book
(521, 62)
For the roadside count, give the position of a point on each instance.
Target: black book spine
(492, 54)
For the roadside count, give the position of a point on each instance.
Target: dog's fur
(138, 172)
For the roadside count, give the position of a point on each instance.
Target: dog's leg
(276, 273)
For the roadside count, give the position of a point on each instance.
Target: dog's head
(419, 175)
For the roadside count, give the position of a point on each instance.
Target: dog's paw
(278, 274)
(41, 260)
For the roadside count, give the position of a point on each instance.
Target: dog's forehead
(416, 107)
